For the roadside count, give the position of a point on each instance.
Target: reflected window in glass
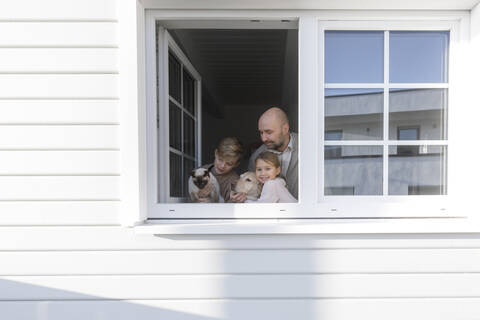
(422, 108)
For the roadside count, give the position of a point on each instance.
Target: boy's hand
(238, 197)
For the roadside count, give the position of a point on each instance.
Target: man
(275, 133)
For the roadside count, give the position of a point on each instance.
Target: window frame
(389, 205)
(161, 114)
(310, 203)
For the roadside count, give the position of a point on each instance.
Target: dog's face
(200, 177)
(248, 184)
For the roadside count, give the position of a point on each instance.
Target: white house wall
(63, 254)
(59, 112)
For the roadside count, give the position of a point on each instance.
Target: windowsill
(311, 226)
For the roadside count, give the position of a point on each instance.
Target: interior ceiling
(237, 66)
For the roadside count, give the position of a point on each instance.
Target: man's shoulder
(295, 139)
(258, 151)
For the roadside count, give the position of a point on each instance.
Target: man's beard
(275, 146)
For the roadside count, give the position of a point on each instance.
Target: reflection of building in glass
(414, 115)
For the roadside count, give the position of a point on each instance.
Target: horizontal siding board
(59, 137)
(59, 86)
(59, 213)
(58, 34)
(79, 162)
(58, 10)
(59, 60)
(59, 112)
(239, 286)
(241, 262)
(59, 188)
(335, 309)
(120, 238)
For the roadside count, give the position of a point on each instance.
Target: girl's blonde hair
(269, 157)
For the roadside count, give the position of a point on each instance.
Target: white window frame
(310, 205)
(388, 205)
(159, 188)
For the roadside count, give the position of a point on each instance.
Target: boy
(227, 156)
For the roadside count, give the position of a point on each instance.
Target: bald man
(275, 133)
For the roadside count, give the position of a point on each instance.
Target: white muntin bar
(386, 107)
(321, 111)
(386, 142)
(386, 85)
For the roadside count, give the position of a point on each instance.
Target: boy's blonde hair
(269, 157)
(230, 148)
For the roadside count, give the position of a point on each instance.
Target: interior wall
(240, 120)
(290, 79)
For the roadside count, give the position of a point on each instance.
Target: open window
(212, 83)
(179, 150)
(369, 106)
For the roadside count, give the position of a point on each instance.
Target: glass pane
(354, 56)
(188, 92)
(188, 135)
(419, 56)
(354, 114)
(174, 76)
(175, 126)
(408, 133)
(421, 171)
(354, 170)
(175, 175)
(188, 166)
(418, 114)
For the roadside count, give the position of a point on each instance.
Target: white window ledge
(311, 226)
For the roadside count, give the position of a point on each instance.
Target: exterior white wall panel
(63, 254)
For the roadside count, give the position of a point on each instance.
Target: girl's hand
(238, 197)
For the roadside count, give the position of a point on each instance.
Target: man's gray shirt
(292, 171)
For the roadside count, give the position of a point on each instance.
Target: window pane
(188, 92)
(419, 173)
(188, 166)
(356, 113)
(175, 125)
(419, 56)
(188, 135)
(418, 114)
(174, 75)
(354, 170)
(175, 175)
(408, 133)
(354, 56)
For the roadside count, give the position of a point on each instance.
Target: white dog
(248, 184)
(203, 186)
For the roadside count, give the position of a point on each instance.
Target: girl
(267, 169)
